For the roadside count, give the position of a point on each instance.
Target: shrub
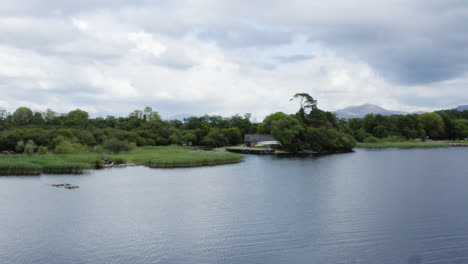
(42, 150)
(30, 147)
(371, 139)
(66, 147)
(118, 160)
(98, 149)
(20, 146)
(394, 139)
(115, 145)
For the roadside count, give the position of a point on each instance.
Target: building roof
(258, 138)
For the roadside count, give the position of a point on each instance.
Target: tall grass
(175, 156)
(51, 163)
(157, 157)
(403, 145)
(19, 168)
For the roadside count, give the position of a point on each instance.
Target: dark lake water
(372, 206)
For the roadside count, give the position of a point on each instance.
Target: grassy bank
(174, 157)
(403, 145)
(156, 157)
(23, 164)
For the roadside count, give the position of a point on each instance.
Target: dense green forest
(308, 129)
(439, 125)
(42, 132)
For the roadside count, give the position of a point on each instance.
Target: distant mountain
(363, 110)
(462, 108)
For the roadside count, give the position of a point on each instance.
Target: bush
(20, 146)
(30, 147)
(115, 145)
(371, 139)
(66, 147)
(361, 134)
(98, 149)
(394, 139)
(118, 160)
(42, 150)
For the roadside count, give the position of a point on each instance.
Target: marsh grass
(51, 163)
(155, 157)
(175, 156)
(404, 145)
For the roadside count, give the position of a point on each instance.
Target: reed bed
(51, 163)
(155, 157)
(176, 157)
(19, 168)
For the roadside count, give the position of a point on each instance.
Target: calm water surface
(372, 206)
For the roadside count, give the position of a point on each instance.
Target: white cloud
(80, 24)
(227, 57)
(146, 43)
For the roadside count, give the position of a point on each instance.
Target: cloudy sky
(228, 57)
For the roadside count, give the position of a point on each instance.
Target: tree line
(76, 131)
(309, 129)
(440, 125)
(42, 132)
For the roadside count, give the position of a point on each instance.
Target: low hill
(462, 108)
(363, 110)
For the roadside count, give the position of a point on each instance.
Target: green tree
(287, 129)
(137, 113)
(361, 134)
(305, 101)
(460, 128)
(433, 124)
(22, 116)
(268, 121)
(233, 135)
(150, 115)
(37, 119)
(215, 138)
(324, 139)
(77, 118)
(3, 114)
(49, 115)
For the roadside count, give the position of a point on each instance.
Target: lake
(371, 206)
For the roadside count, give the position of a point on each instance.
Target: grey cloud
(245, 36)
(293, 58)
(402, 55)
(51, 7)
(409, 43)
(439, 102)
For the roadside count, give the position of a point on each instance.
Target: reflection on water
(370, 206)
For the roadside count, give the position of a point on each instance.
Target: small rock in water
(65, 185)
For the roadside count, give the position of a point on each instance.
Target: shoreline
(382, 145)
(78, 163)
(171, 165)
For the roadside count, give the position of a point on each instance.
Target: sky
(194, 57)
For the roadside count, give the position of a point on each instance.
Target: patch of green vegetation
(408, 144)
(176, 156)
(156, 157)
(459, 141)
(23, 164)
